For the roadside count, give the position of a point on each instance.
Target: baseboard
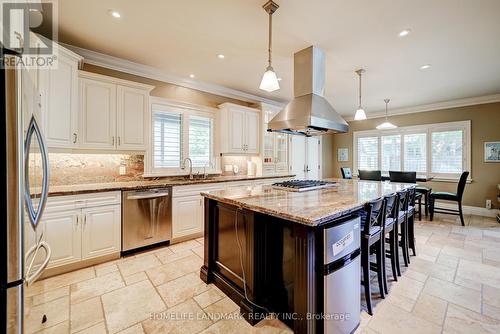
(470, 210)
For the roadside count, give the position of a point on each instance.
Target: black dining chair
(372, 227)
(346, 173)
(448, 196)
(370, 175)
(391, 235)
(403, 177)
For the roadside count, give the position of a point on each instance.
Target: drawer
(238, 184)
(196, 189)
(71, 202)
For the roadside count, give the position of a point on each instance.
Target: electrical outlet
(488, 204)
(123, 170)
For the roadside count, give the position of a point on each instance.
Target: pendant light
(386, 125)
(269, 81)
(360, 113)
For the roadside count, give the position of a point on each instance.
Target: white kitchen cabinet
(132, 118)
(79, 227)
(114, 113)
(305, 157)
(59, 95)
(275, 154)
(62, 232)
(101, 231)
(187, 215)
(188, 209)
(239, 129)
(97, 114)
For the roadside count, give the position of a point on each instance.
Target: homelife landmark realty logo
(30, 29)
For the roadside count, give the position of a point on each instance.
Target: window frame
(186, 110)
(428, 129)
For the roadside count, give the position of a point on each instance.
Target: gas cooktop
(303, 185)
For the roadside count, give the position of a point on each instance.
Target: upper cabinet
(275, 147)
(114, 113)
(239, 129)
(58, 88)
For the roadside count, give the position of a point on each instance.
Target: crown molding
(130, 67)
(469, 101)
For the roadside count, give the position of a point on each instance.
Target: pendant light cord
(269, 50)
(359, 89)
(386, 106)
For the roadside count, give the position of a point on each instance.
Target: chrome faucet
(190, 167)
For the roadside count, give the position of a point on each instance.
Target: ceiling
(459, 38)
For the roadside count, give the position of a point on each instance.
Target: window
(415, 156)
(368, 153)
(447, 151)
(439, 150)
(180, 132)
(391, 153)
(200, 140)
(167, 141)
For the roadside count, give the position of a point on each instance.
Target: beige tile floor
(451, 286)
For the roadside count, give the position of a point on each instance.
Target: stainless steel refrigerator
(25, 181)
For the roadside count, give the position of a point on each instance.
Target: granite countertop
(311, 208)
(74, 189)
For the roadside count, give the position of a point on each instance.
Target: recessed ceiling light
(403, 33)
(115, 14)
(191, 75)
(221, 56)
(424, 67)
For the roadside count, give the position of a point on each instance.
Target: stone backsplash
(72, 168)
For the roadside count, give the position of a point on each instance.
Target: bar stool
(402, 220)
(372, 227)
(391, 229)
(410, 218)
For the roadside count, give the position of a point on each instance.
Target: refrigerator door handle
(35, 215)
(32, 277)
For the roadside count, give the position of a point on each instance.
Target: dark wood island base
(283, 263)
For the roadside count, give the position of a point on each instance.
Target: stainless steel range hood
(309, 113)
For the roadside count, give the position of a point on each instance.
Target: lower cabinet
(187, 215)
(79, 227)
(101, 231)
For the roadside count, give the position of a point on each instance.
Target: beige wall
(167, 90)
(485, 126)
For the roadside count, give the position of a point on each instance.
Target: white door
(236, 131)
(298, 156)
(62, 232)
(132, 118)
(313, 158)
(252, 132)
(59, 89)
(97, 114)
(101, 231)
(187, 216)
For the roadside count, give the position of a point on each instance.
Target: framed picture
(492, 151)
(343, 154)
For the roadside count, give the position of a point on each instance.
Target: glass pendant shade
(269, 81)
(386, 125)
(359, 115)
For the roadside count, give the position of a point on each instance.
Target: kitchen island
(264, 247)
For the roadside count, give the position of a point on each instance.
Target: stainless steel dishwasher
(146, 217)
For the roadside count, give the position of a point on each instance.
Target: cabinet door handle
(85, 220)
(113, 140)
(77, 220)
(75, 137)
(119, 141)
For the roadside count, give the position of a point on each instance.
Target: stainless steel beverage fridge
(25, 181)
